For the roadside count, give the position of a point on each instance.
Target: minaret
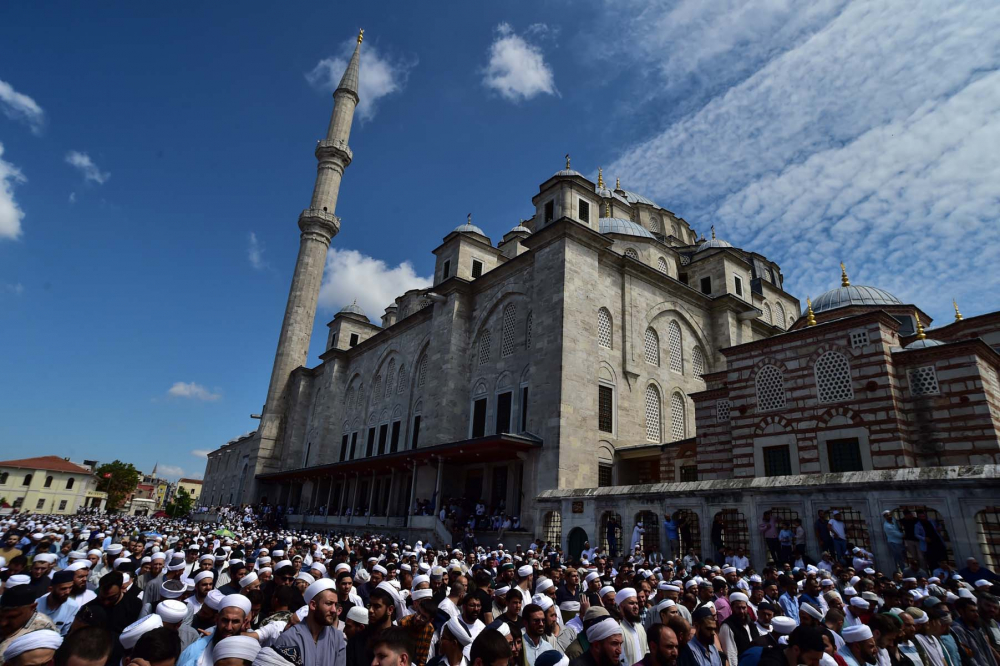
(318, 225)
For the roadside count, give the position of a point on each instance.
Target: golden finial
(958, 315)
(469, 219)
(607, 209)
(844, 282)
(618, 183)
(810, 315)
(920, 328)
(361, 36)
(600, 177)
(567, 161)
(713, 232)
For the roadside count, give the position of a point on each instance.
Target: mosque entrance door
(474, 485)
(577, 537)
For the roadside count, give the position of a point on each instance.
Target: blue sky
(154, 161)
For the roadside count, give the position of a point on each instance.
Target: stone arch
(686, 321)
(503, 381)
(767, 425)
(516, 291)
(479, 388)
(606, 373)
(397, 412)
(653, 402)
(552, 527)
(839, 416)
(612, 548)
(678, 419)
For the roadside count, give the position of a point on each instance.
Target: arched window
(401, 380)
(631, 254)
(988, 535)
(378, 389)
(485, 340)
(677, 429)
(507, 333)
(649, 540)
(770, 389)
(654, 225)
(791, 320)
(611, 533)
(675, 230)
(27, 480)
(661, 265)
(735, 532)
(349, 398)
(360, 397)
(697, 362)
(674, 344)
(767, 313)
(604, 328)
(527, 333)
(48, 482)
(652, 347)
(653, 430)
(3, 478)
(779, 315)
(690, 530)
(422, 372)
(389, 377)
(552, 527)
(833, 378)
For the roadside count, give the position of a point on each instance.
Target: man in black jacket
(737, 632)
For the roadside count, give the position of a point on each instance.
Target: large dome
(842, 297)
(616, 225)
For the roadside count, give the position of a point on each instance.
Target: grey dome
(714, 242)
(469, 229)
(926, 342)
(616, 225)
(353, 308)
(842, 297)
(633, 198)
(520, 229)
(569, 172)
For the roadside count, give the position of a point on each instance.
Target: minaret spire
(318, 225)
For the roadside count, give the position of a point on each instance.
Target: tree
(181, 504)
(117, 479)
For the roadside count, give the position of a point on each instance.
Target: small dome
(714, 242)
(468, 228)
(926, 342)
(353, 308)
(616, 225)
(569, 172)
(842, 297)
(520, 229)
(634, 198)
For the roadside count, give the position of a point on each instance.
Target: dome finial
(600, 177)
(844, 282)
(361, 36)
(958, 315)
(920, 328)
(469, 219)
(713, 232)
(810, 315)
(607, 209)
(567, 161)
(618, 183)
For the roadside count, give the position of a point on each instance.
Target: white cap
(237, 647)
(130, 636)
(358, 614)
(235, 601)
(856, 633)
(172, 610)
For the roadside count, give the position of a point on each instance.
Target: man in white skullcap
(203, 581)
(320, 642)
(859, 646)
(133, 632)
(635, 645)
(233, 612)
(36, 647)
(606, 643)
(524, 575)
(173, 613)
(236, 651)
(737, 633)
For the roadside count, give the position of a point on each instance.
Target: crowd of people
(94, 590)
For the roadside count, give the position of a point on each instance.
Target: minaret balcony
(332, 149)
(319, 220)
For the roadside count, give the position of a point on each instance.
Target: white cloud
(15, 288)
(18, 106)
(350, 275)
(200, 453)
(192, 390)
(169, 472)
(10, 213)
(72, 197)
(517, 70)
(379, 75)
(255, 252)
(867, 135)
(87, 167)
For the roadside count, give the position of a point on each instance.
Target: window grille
(654, 225)
(833, 378)
(689, 473)
(783, 514)
(677, 429)
(378, 388)
(584, 211)
(649, 540)
(988, 533)
(507, 333)
(767, 313)
(652, 414)
(401, 380)
(389, 377)
(779, 315)
(845, 455)
(735, 533)
(674, 343)
(855, 526)
(632, 254)
(605, 408)
(698, 362)
(777, 461)
(527, 332)
(923, 381)
(422, 372)
(553, 524)
(859, 339)
(484, 348)
(770, 389)
(689, 529)
(661, 265)
(685, 260)
(675, 230)
(604, 328)
(652, 347)
(349, 398)
(616, 532)
(605, 475)
(942, 528)
(722, 410)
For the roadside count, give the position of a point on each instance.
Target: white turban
(417, 595)
(570, 606)
(459, 631)
(420, 579)
(858, 602)
(603, 629)
(525, 571)
(43, 639)
(358, 614)
(202, 575)
(856, 633)
(214, 600)
(172, 610)
(237, 647)
(321, 585)
(381, 569)
(664, 605)
(79, 564)
(236, 601)
(739, 596)
(130, 636)
(809, 609)
(248, 580)
(545, 584)
(591, 576)
(624, 594)
(48, 558)
(606, 590)
(503, 629)
(542, 601)
(782, 625)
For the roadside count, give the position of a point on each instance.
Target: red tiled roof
(197, 481)
(49, 463)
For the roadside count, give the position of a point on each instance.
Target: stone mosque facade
(602, 360)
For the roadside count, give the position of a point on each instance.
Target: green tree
(181, 505)
(117, 479)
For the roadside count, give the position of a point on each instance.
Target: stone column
(392, 487)
(354, 502)
(437, 487)
(413, 495)
(329, 497)
(371, 499)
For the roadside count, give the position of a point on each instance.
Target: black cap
(63, 576)
(17, 596)
(807, 639)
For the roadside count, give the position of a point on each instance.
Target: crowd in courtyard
(250, 590)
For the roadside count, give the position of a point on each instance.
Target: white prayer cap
(237, 647)
(343, 566)
(856, 633)
(809, 609)
(79, 564)
(417, 595)
(850, 591)
(172, 610)
(729, 570)
(158, 556)
(180, 566)
(48, 558)
(248, 580)
(18, 579)
(358, 614)
(982, 582)
(282, 564)
(591, 576)
(570, 606)
(664, 605)
(606, 590)
(501, 591)
(603, 629)
(94, 551)
(130, 636)
(739, 596)
(933, 579)
(318, 566)
(547, 584)
(420, 579)
(214, 599)
(966, 593)
(43, 639)
(858, 602)
(459, 631)
(782, 625)
(202, 575)
(382, 570)
(624, 594)
(321, 585)
(307, 577)
(855, 579)
(235, 601)
(207, 557)
(503, 629)
(263, 569)
(145, 560)
(524, 571)
(542, 601)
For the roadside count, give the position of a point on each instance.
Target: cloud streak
(192, 391)
(517, 69)
(10, 212)
(87, 167)
(255, 253)
(350, 275)
(200, 453)
(18, 106)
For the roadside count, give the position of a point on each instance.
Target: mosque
(603, 361)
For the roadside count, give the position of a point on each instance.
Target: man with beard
(381, 609)
(418, 625)
(81, 572)
(969, 633)
(57, 604)
(765, 613)
(205, 618)
(19, 615)
(535, 642)
(663, 646)
(605, 639)
(237, 570)
(805, 646)
(154, 575)
(203, 582)
(121, 610)
(319, 641)
(39, 573)
(233, 613)
(737, 632)
(700, 650)
(634, 646)
(859, 646)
